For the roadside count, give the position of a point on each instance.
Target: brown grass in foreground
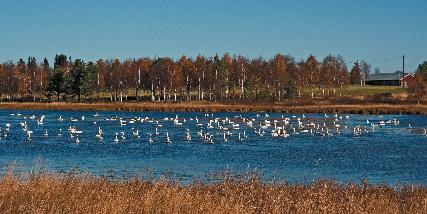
(219, 107)
(85, 194)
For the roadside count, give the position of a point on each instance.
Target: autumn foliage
(218, 78)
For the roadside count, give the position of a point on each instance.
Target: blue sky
(377, 31)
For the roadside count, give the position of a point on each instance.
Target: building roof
(387, 76)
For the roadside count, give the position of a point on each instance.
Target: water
(392, 154)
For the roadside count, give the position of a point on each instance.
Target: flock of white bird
(209, 129)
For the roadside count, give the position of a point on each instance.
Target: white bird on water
(116, 139)
(187, 135)
(29, 134)
(40, 121)
(135, 133)
(168, 140)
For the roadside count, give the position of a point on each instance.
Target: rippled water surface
(318, 145)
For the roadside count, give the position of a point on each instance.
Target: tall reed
(59, 193)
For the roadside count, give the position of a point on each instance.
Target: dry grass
(48, 193)
(218, 107)
(357, 90)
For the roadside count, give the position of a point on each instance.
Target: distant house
(390, 79)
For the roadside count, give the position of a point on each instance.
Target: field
(50, 193)
(368, 90)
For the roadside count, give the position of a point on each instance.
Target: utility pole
(403, 71)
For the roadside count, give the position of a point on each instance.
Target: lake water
(385, 149)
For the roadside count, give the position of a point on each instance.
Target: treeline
(164, 79)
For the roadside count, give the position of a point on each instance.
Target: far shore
(410, 109)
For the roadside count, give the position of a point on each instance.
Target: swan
(187, 136)
(116, 139)
(168, 140)
(136, 133)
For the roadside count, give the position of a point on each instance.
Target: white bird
(168, 140)
(116, 138)
(40, 121)
(29, 134)
(187, 136)
(135, 133)
(99, 134)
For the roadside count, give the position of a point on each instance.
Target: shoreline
(398, 109)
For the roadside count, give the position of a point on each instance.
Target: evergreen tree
(422, 70)
(55, 84)
(60, 61)
(365, 70)
(222, 78)
(45, 62)
(77, 78)
(89, 80)
(355, 74)
(291, 90)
